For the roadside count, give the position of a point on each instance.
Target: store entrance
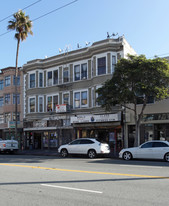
(37, 141)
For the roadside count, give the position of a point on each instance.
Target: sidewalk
(38, 152)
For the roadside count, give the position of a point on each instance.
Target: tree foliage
(133, 79)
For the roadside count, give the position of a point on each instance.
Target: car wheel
(64, 153)
(166, 157)
(127, 156)
(91, 153)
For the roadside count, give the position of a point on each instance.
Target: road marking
(141, 166)
(83, 171)
(71, 188)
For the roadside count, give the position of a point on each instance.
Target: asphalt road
(45, 180)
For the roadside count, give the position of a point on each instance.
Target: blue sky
(144, 23)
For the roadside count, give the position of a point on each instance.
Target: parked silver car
(149, 150)
(87, 146)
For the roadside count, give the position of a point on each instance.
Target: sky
(144, 23)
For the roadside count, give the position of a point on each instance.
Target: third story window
(18, 98)
(7, 81)
(1, 84)
(32, 80)
(7, 98)
(101, 66)
(32, 104)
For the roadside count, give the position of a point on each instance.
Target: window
(1, 101)
(77, 72)
(7, 117)
(66, 98)
(1, 84)
(40, 79)
(77, 100)
(40, 104)
(101, 66)
(1, 118)
(55, 101)
(160, 144)
(18, 80)
(18, 98)
(55, 77)
(49, 80)
(14, 116)
(32, 81)
(75, 142)
(65, 75)
(113, 63)
(32, 104)
(49, 103)
(84, 71)
(84, 98)
(147, 145)
(7, 81)
(80, 72)
(7, 99)
(80, 99)
(86, 141)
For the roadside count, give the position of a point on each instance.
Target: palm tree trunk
(16, 77)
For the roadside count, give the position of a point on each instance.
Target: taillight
(4, 145)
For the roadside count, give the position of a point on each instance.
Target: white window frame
(63, 99)
(80, 64)
(80, 91)
(40, 72)
(98, 57)
(34, 72)
(51, 70)
(42, 102)
(31, 97)
(51, 95)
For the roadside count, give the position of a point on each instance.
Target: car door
(145, 151)
(73, 147)
(85, 145)
(160, 149)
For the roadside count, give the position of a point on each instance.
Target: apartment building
(60, 99)
(7, 104)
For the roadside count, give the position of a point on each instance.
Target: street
(45, 180)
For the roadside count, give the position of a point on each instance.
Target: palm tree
(22, 25)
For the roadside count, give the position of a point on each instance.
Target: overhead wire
(59, 8)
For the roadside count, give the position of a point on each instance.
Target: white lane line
(71, 188)
(141, 166)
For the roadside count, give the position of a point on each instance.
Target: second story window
(40, 104)
(1, 118)
(49, 103)
(32, 104)
(7, 117)
(18, 80)
(55, 101)
(18, 98)
(80, 99)
(1, 101)
(7, 81)
(40, 79)
(7, 99)
(32, 80)
(14, 116)
(66, 98)
(101, 66)
(1, 84)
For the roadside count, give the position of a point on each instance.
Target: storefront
(106, 128)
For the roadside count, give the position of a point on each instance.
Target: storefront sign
(61, 108)
(40, 124)
(11, 124)
(96, 118)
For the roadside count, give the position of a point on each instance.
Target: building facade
(7, 104)
(60, 96)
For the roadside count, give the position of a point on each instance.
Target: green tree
(22, 25)
(135, 80)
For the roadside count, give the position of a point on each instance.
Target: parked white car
(87, 146)
(8, 145)
(149, 150)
